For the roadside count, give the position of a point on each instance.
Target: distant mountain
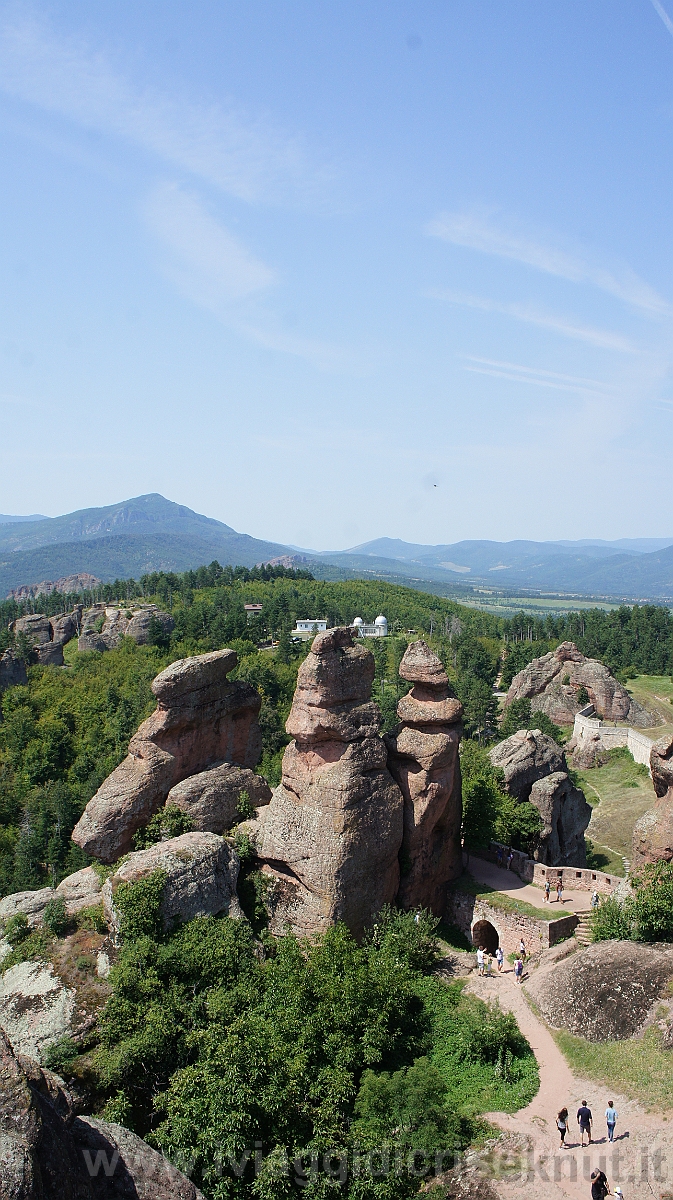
(7, 520)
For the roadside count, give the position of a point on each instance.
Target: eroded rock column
(423, 758)
(331, 835)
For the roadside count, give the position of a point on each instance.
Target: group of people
(599, 1183)
(559, 890)
(485, 961)
(504, 857)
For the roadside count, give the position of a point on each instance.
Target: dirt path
(640, 1159)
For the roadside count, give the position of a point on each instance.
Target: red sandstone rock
(202, 718)
(525, 757)
(211, 798)
(653, 833)
(423, 758)
(542, 682)
(331, 835)
(565, 815)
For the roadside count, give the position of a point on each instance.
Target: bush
(55, 917)
(92, 919)
(170, 822)
(519, 715)
(610, 921)
(244, 808)
(17, 929)
(60, 1056)
(139, 906)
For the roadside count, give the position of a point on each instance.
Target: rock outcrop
(552, 683)
(653, 833)
(212, 798)
(202, 718)
(81, 890)
(48, 635)
(67, 585)
(330, 838)
(565, 816)
(525, 757)
(47, 1152)
(12, 671)
(535, 770)
(104, 625)
(423, 759)
(201, 874)
(605, 992)
(36, 1008)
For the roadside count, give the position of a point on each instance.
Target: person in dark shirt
(599, 1186)
(584, 1119)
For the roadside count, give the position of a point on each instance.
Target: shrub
(139, 906)
(55, 917)
(610, 921)
(582, 697)
(17, 929)
(92, 919)
(170, 822)
(244, 808)
(60, 1055)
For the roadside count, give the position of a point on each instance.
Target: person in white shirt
(499, 957)
(480, 960)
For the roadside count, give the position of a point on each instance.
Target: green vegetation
(489, 813)
(170, 822)
(637, 1067)
(472, 887)
(637, 640)
(519, 715)
(644, 916)
(319, 1048)
(619, 791)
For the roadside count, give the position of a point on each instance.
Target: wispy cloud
(664, 16)
(214, 270)
(603, 338)
(243, 155)
(518, 373)
(479, 232)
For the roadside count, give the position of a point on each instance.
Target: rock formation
(212, 797)
(81, 890)
(330, 838)
(12, 671)
(653, 833)
(47, 1152)
(202, 718)
(201, 874)
(48, 635)
(535, 770)
(36, 1008)
(104, 625)
(525, 757)
(552, 683)
(565, 816)
(67, 585)
(423, 759)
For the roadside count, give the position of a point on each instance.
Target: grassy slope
(654, 692)
(619, 794)
(637, 1067)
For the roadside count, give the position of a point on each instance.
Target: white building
(378, 629)
(306, 629)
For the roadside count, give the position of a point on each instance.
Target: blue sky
(330, 272)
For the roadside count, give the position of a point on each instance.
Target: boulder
(525, 757)
(35, 626)
(211, 797)
(604, 992)
(565, 816)
(104, 626)
(81, 890)
(552, 682)
(202, 718)
(423, 759)
(64, 628)
(653, 832)
(49, 1153)
(50, 654)
(201, 874)
(139, 627)
(329, 840)
(36, 1008)
(12, 671)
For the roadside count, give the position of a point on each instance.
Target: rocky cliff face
(48, 635)
(535, 770)
(653, 833)
(330, 838)
(423, 759)
(12, 671)
(552, 683)
(104, 625)
(47, 1152)
(202, 718)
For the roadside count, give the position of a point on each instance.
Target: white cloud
(207, 258)
(241, 155)
(478, 232)
(664, 15)
(603, 338)
(518, 373)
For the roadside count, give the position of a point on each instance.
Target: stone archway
(486, 935)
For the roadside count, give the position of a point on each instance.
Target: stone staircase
(583, 930)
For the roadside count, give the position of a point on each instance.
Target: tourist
(499, 957)
(489, 965)
(562, 1125)
(510, 859)
(595, 900)
(547, 890)
(619, 1195)
(599, 1186)
(518, 971)
(522, 950)
(584, 1120)
(611, 1119)
(499, 856)
(480, 960)
(559, 889)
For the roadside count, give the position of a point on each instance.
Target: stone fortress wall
(588, 726)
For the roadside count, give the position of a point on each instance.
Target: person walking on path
(559, 889)
(499, 957)
(547, 890)
(611, 1119)
(522, 950)
(480, 960)
(599, 1186)
(510, 860)
(518, 971)
(562, 1125)
(584, 1120)
(595, 900)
